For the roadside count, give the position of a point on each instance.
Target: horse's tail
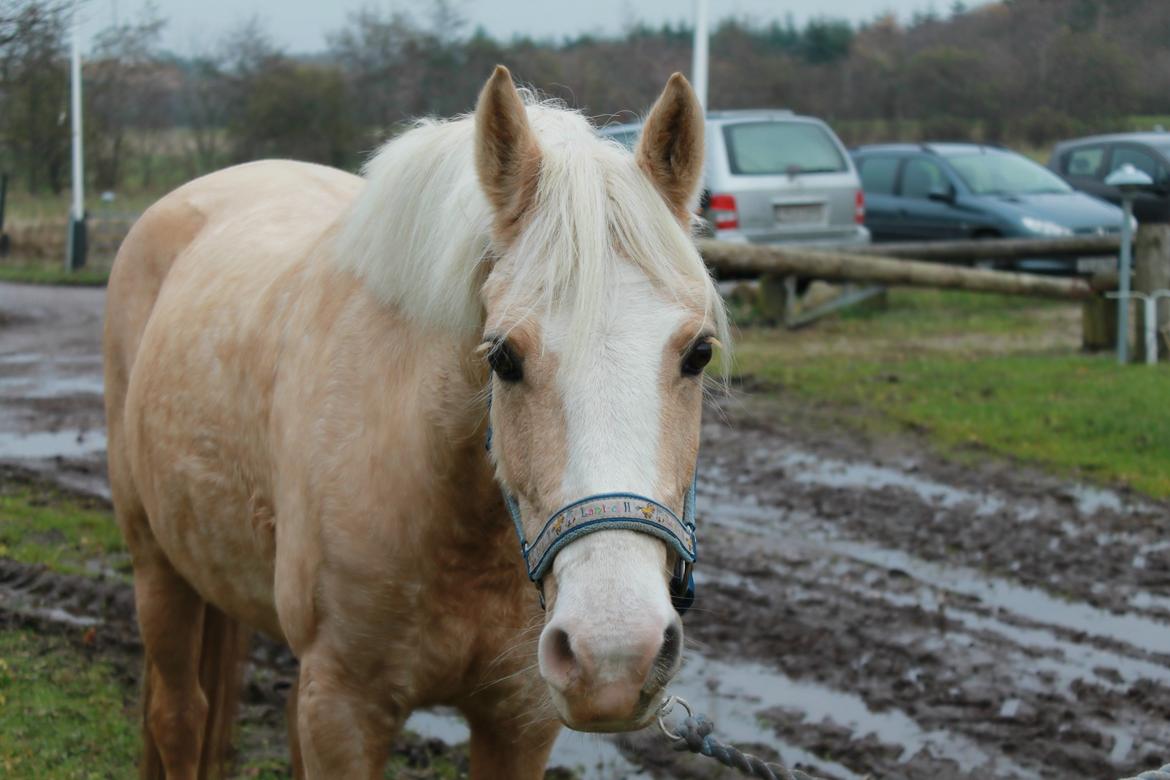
(222, 653)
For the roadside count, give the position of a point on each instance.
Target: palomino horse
(301, 370)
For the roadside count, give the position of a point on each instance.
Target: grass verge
(988, 372)
(39, 274)
(62, 714)
(39, 525)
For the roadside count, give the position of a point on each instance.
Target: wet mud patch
(893, 617)
(93, 621)
(867, 607)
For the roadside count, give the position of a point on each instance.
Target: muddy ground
(866, 607)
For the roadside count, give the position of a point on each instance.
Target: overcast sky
(300, 25)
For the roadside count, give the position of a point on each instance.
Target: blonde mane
(420, 232)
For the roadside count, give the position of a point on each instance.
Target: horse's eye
(505, 363)
(697, 359)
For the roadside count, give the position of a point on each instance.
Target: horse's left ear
(671, 148)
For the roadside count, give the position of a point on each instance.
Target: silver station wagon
(775, 177)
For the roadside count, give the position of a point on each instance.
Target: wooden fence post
(1099, 324)
(774, 298)
(1152, 272)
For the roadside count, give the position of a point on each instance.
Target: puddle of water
(50, 445)
(734, 694)
(52, 386)
(808, 468)
(597, 757)
(20, 358)
(1031, 603)
(440, 724)
(1122, 744)
(1067, 661)
(1036, 605)
(20, 602)
(828, 472)
(1145, 600)
(1091, 500)
(58, 615)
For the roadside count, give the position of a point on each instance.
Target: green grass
(984, 372)
(63, 715)
(28, 273)
(25, 207)
(38, 526)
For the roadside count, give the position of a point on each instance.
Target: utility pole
(699, 60)
(77, 227)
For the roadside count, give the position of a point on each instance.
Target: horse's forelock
(420, 234)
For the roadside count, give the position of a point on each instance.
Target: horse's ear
(507, 155)
(671, 148)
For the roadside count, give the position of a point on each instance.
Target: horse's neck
(457, 427)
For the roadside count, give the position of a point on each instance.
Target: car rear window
(878, 174)
(772, 148)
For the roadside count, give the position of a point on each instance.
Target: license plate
(1096, 265)
(799, 213)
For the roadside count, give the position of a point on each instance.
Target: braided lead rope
(1154, 774)
(695, 736)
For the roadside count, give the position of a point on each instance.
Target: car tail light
(723, 212)
(859, 207)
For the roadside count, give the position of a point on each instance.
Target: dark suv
(920, 192)
(1086, 162)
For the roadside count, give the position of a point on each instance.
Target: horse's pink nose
(608, 678)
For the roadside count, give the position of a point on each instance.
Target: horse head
(599, 320)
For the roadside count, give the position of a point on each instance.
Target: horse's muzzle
(603, 682)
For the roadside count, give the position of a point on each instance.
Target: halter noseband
(609, 512)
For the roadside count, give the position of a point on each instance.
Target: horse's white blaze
(612, 397)
(612, 596)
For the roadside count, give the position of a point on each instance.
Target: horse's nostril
(558, 663)
(671, 649)
(562, 647)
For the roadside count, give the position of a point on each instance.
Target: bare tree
(126, 89)
(34, 95)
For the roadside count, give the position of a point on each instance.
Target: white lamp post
(77, 232)
(699, 53)
(1130, 181)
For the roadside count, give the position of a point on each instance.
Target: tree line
(1021, 71)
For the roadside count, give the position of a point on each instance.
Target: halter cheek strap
(610, 512)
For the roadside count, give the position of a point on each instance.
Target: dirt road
(865, 606)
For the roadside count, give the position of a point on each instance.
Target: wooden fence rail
(997, 249)
(733, 261)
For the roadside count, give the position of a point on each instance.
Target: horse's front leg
(510, 748)
(344, 732)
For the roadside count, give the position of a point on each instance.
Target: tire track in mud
(864, 606)
(916, 619)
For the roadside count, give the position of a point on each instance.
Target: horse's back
(193, 305)
(303, 198)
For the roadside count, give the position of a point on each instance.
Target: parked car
(1085, 163)
(918, 192)
(775, 177)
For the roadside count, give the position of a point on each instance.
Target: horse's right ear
(507, 155)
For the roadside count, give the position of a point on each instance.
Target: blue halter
(608, 512)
